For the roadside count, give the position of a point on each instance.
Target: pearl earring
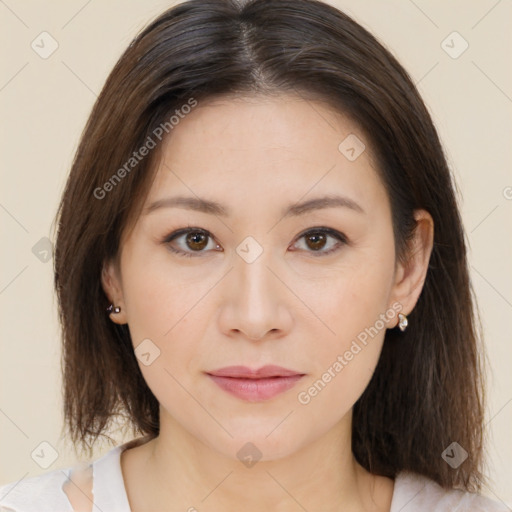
(402, 321)
(112, 309)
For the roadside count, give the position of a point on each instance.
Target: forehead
(249, 150)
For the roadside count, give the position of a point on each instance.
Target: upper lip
(244, 372)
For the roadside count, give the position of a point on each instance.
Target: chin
(257, 440)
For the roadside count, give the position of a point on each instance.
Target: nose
(256, 306)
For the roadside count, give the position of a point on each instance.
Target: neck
(186, 474)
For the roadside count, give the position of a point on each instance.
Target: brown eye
(189, 242)
(196, 240)
(318, 239)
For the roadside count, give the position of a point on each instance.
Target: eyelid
(338, 235)
(325, 230)
(185, 231)
(342, 239)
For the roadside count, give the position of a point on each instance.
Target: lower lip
(256, 390)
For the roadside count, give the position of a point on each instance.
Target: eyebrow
(215, 208)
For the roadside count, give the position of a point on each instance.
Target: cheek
(355, 313)
(334, 390)
(162, 324)
(343, 361)
(158, 295)
(166, 319)
(348, 300)
(170, 339)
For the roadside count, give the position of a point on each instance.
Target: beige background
(44, 105)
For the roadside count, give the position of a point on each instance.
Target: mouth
(255, 385)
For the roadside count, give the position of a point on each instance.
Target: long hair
(427, 390)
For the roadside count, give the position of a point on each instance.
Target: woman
(260, 264)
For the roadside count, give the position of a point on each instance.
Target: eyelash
(342, 239)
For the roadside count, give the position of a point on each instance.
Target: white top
(44, 493)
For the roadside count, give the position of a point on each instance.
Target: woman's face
(273, 275)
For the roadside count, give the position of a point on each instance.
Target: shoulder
(417, 493)
(80, 487)
(40, 493)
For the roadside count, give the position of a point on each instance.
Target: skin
(292, 306)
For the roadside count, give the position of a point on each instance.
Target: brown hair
(427, 390)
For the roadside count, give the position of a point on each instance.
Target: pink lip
(255, 385)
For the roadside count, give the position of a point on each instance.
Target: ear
(410, 276)
(112, 286)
